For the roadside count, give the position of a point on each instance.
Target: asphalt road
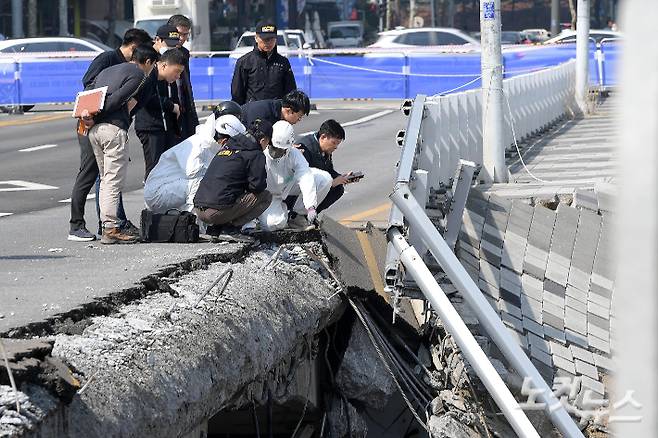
(39, 157)
(42, 274)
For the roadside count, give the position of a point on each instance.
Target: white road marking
(5, 214)
(38, 148)
(23, 186)
(367, 118)
(358, 121)
(68, 200)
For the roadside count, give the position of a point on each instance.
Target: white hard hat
(283, 135)
(229, 125)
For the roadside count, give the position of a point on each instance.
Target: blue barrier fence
(370, 75)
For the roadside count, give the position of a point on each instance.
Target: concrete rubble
(159, 366)
(362, 376)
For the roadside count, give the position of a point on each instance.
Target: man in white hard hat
(174, 181)
(288, 173)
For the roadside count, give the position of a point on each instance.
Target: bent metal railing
(442, 132)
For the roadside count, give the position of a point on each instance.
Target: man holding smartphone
(318, 148)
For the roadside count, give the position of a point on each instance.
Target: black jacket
(100, 63)
(258, 77)
(188, 118)
(123, 82)
(310, 147)
(157, 103)
(269, 110)
(233, 171)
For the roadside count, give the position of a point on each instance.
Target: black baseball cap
(266, 29)
(169, 34)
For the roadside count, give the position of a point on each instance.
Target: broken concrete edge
(74, 320)
(112, 389)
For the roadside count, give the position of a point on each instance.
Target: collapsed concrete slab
(163, 364)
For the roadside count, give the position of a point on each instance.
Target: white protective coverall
(291, 175)
(174, 181)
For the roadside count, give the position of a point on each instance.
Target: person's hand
(341, 180)
(131, 104)
(87, 118)
(311, 215)
(177, 110)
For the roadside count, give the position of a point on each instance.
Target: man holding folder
(108, 134)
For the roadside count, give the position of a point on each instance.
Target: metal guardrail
(451, 130)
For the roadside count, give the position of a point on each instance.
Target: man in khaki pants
(109, 134)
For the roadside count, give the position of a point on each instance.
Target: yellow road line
(366, 213)
(33, 119)
(371, 261)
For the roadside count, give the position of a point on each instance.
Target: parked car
(97, 30)
(344, 34)
(424, 36)
(513, 37)
(51, 44)
(297, 39)
(247, 42)
(537, 35)
(596, 35)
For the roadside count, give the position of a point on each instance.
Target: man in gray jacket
(108, 134)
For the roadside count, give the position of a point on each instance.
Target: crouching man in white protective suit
(174, 181)
(288, 173)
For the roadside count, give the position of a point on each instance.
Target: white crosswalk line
(38, 148)
(23, 186)
(68, 200)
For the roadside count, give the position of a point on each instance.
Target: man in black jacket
(188, 115)
(155, 121)
(292, 108)
(108, 134)
(233, 190)
(88, 171)
(318, 148)
(262, 73)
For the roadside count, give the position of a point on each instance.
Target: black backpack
(173, 226)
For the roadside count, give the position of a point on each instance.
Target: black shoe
(213, 230)
(81, 235)
(130, 229)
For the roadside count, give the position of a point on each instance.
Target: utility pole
(17, 19)
(63, 18)
(555, 17)
(389, 14)
(32, 18)
(582, 55)
(433, 12)
(492, 93)
(412, 12)
(381, 11)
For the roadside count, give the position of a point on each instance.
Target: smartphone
(355, 176)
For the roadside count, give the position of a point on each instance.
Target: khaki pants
(110, 145)
(246, 208)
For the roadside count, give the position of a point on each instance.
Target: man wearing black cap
(262, 73)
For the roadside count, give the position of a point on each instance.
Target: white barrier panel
(452, 127)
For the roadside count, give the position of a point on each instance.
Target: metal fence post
(17, 108)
